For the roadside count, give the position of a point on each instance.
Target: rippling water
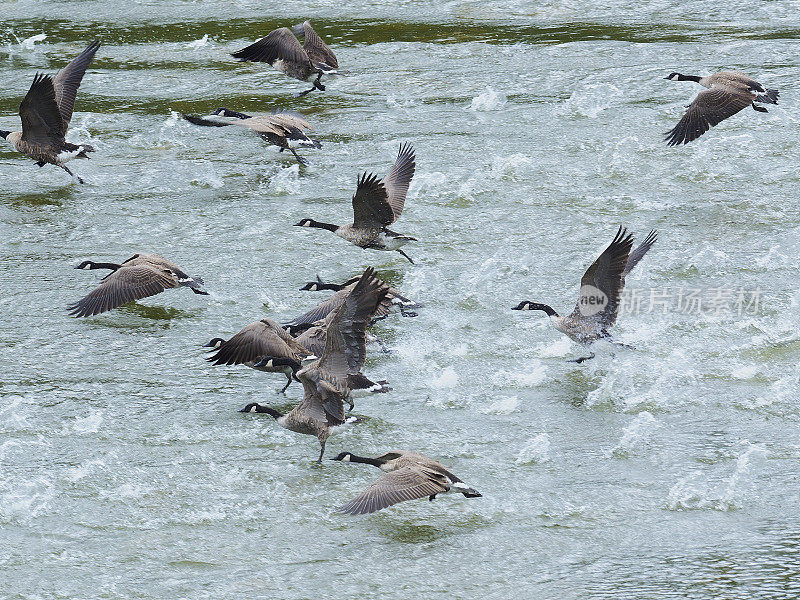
(668, 471)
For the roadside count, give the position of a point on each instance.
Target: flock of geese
(325, 348)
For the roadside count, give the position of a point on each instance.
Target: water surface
(669, 471)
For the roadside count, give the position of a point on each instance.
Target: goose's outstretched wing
(41, 120)
(602, 282)
(406, 483)
(121, 287)
(68, 80)
(709, 108)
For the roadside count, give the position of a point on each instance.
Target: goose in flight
(282, 130)
(46, 112)
(376, 205)
(282, 50)
(601, 287)
(728, 92)
(408, 476)
(405, 305)
(141, 276)
(264, 343)
(328, 380)
(334, 301)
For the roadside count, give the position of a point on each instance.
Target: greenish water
(669, 471)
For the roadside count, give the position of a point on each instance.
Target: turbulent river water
(665, 471)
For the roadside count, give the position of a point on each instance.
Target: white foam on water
(286, 180)
(78, 472)
(29, 42)
(88, 424)
(459, 350)
(447, 379)
(405, 104)
(536, 451)
(203, 41)
(752, 457)
(528, 375)
(430, 186)
(559, 347)
(635, 434)
(591, 100)
(784, 390)
(697, 492)
(746, 372)
(504, 405)
(12, 415)
(207, 176)
(490, 99)
(514, 167)
(24, 498)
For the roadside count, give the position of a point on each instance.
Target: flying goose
(601, 286)
(327, 380)
(409, 475)
(282, 50)
(282, 130)
(396, 298)
(141, 276)
(264, 343)
(313, 337)
(376, 205)
(334, 301)
(728, 92)
(46, 111)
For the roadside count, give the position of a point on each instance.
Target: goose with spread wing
(263, 343)
(601, 287)
(282, 130)
(46, 112)
(141, 276)
(282, 50)
(327, 381)
(408, 476)
(405, 304)
(376, 205)
(728, 93)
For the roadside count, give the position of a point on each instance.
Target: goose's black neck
(334, 287)
(87, 264)
(319, 225)
(375, 462)
(231, 113)
(4, 133)
(694, 78)
(260, 408)
(528, 305)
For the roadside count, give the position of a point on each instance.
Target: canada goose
(46, 111)
(141, 276)
(601, 286)
(334, 301)
(409, 475)
(728, 92)
(264, 343)
(313, 337)
(282, 50)
(377, 204)
(396, 298)
(326, 381)
(282, 130)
